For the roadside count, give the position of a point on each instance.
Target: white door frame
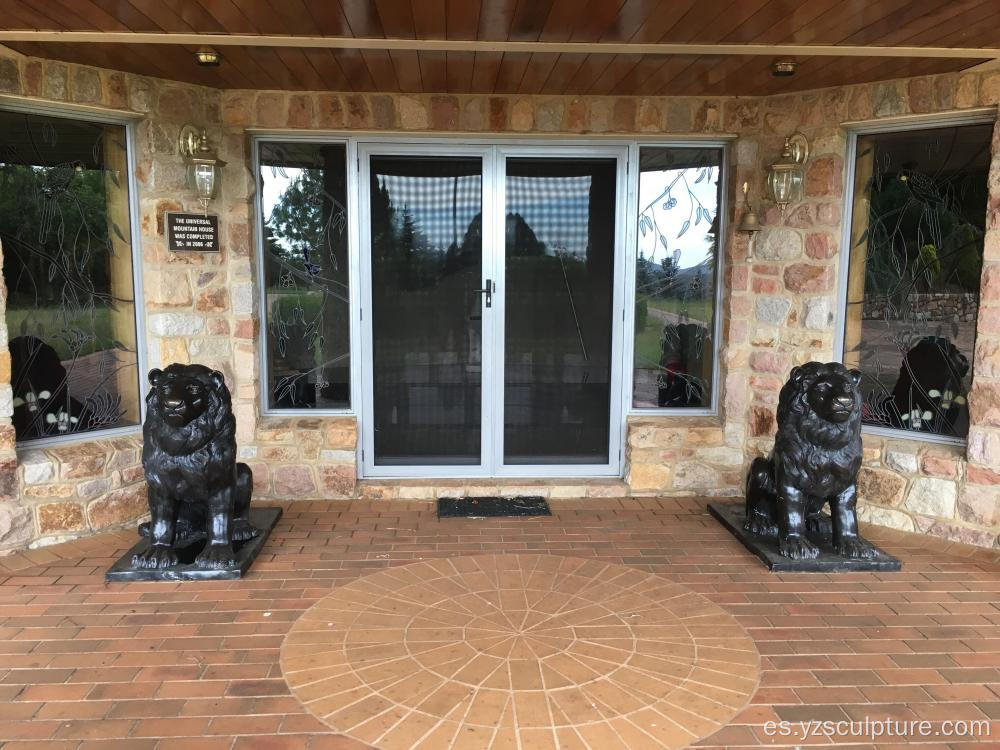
(493, 267)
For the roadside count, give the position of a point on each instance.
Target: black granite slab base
(732, 516)
(246, 552)
(481, 507)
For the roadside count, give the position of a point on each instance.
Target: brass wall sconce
(204, 166)
(750, 223)
(785, 176)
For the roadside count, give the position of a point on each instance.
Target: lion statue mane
(815, 461)
(197, 490)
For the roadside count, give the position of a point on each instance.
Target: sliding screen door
(559, 251)
(426, 262)
(491, 321)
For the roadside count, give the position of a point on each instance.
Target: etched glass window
(66, 236)
(303, 189)
(675, 276)
(918, 218)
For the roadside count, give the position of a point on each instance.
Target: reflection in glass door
(426, 262)
(559, 282)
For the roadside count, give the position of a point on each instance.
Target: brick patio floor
(195, 666)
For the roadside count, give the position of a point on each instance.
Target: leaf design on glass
(118, 232)
(684, 228)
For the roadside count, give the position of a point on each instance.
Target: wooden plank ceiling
(924, 23)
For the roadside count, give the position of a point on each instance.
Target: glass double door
(490, 285)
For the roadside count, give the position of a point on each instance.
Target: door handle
(488, 291)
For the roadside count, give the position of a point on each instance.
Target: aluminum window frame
(353, 252)
(978, 116)
(129, 122)
(631, 254)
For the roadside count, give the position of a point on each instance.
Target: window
(303, 190)
(918, 218)
(675, 276)
(66, 235)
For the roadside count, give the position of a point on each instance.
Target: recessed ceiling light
(208, 57)
(783, 68)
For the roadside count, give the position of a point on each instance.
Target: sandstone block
(780, 244)
(804, 277)
(825, 176)
(16, 525)
(893, 519)
(932, 497)
(79, 460)
(118, 507)
(937, 465)
(695, 476)
(646, 476)
(10, 76)
(337, 481)
(899, 460)
(93, 487)
(55, 83)
(773, 310)
(38, 467)
(293, 482)
(979, 505)
(880, 486)
(56, 518)
(175, 324)
(818, 313)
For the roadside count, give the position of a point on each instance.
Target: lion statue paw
(216, 557)
(855, 547)
(798, 548)
(156, 557)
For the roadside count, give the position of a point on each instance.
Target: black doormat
(481, 507)
(766, 548)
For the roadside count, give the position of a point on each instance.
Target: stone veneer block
(932, 497)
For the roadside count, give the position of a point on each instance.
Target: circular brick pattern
(519, 651)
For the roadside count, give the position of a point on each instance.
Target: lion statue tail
(761, 498)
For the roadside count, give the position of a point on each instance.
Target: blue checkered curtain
(556, 208)
(442, 207)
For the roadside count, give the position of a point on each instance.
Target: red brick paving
(194, 666)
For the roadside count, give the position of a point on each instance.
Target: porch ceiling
(531, 47)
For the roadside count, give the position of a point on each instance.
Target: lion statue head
(821, 403)
(187, 406)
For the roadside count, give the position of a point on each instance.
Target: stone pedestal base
(246, 552)
(732, 516)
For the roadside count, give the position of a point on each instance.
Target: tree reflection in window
(66, 237)
(675, 271)
(303, 197)
(916, 257)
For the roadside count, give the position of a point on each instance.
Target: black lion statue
(815, 461)
(197, 490)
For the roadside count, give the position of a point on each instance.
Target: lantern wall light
(785, 176)
(203, 165)
(750, 223)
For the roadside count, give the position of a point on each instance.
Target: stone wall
(958, 307)
(783, 304)
(778, 308)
